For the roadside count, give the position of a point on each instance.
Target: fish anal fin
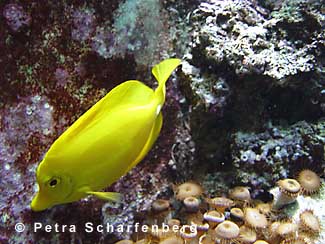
(151, 140)
(107, 196)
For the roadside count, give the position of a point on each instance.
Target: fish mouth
(39, 203)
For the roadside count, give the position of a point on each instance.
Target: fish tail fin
(161, 72)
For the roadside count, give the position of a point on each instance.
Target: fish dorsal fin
(130, 92)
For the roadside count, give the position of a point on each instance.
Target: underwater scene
(162, 122)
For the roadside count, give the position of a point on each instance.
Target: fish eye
(53, 182)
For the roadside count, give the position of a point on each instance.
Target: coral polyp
(220, 203)
(240, 193)
(289, 190)
(192, 204)
(287, 230)
(160, 205)
(172, 240)
(247, 235)
(188, 189)
(310, 182)
(309, 222)
(254, 219)
(227, 232)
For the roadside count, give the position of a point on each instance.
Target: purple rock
(84, 23)
(61, 76)
(16, 16)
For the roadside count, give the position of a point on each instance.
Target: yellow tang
(104, 143)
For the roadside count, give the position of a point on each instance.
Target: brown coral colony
(239, 218)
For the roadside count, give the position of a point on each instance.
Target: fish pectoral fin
(107, 196)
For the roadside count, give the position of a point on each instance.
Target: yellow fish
(104, 143)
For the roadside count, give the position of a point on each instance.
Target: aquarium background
(244, 109)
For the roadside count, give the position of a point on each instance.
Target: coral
(125, 242)
(191, 204)
(213, 218)
(160, 205)
(187, 233)
(309, 222)
(227, 232)
(254, 219)
(188, 189)
(144, 15)
(240, 193)
(287, 230)
(247, 235)
(260, 242)
(310, 182)
(299, 224)
(34, 118)
(103, 42)
(237, 214)
(289, 191)
(306, 203)
(220, 203)
(172, 240)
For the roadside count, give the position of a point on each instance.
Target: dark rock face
(245, 68)
(278, 153)
(245, 107)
